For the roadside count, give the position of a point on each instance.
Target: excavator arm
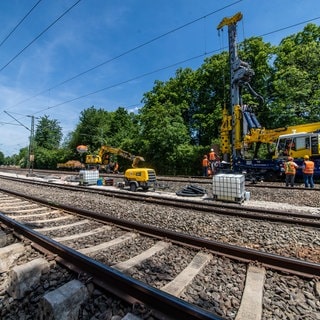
(136, 161)
(104, 152)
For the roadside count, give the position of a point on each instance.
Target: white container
(247, 195)
(88, 177)
(229, 187)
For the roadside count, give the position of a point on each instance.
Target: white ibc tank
(88, 177)
(229, 187)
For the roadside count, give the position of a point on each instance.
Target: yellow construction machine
(241, 130)
(103, 160)
(134, 177)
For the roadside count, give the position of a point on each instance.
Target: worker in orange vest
(290, 168)
(212, 155)
(205, 165)
(212, 160)
(308, 170)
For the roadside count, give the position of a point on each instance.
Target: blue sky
(107, 54)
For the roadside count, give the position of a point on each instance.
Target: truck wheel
(133, 187)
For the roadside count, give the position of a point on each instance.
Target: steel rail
(277, 262)
(123, 286)
(189, 179)
(309, 220)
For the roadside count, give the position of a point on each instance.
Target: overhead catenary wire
(161, 69)
(150, 72)
(127, 52)
(38, 36)
(121, 83)
(19, 23)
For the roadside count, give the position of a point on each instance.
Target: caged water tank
(229, 187)
(88, 177)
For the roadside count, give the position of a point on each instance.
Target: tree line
(180, 118)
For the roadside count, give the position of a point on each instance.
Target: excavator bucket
(136, 161)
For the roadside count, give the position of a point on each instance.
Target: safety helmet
(290, 158)
(306, 157)
(211, 150)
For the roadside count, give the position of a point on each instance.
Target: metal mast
(31, 147)
(240, 73)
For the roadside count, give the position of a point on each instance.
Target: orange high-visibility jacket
(308, 167)
(212, 156)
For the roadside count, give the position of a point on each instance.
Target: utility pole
(31, 147)
(31, 142)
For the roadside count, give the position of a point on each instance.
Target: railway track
(28, 218)
(164, 261)
(288, 239)
(214, 207)
(203, 181)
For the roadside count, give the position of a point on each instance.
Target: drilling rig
(240, 127)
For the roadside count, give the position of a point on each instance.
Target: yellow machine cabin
(297, 145)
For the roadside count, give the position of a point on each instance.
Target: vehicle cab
(297, 145)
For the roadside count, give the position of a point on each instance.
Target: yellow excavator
(103, 160)
(134, 177)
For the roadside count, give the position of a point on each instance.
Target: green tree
(2, 158)
(92, 129)
(48, 133)
(123, 129)
(296, 78)
(213, 94)
(23, 157)
(47, 158)
(162, 128)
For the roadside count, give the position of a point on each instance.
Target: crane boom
(271, 135)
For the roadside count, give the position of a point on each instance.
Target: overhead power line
(37, 37)
(15, 28)
(11, 116)
(127, 52)
(148, 73)
(291, 26)
(120, 83)
(144, 44)
(161, 69)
